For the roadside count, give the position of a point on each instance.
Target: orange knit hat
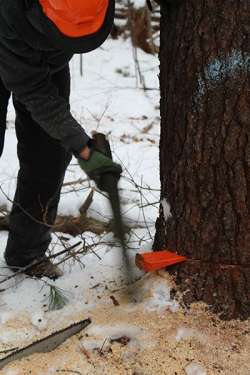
(76, 18)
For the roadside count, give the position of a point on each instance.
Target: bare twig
(75, 182)
(85, 206)
(101, 349)
(24, 211)
(85, 352)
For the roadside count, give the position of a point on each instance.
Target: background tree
(205, 149)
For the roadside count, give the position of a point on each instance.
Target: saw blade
(47, 344)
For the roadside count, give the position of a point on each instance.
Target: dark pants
(4, 100)
(43, 162)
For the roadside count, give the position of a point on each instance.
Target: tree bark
(205, 150)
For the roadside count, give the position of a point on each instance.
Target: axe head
(109, 183)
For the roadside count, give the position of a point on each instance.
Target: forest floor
(148, 337)
(145, 331)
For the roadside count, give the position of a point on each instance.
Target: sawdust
(152, 343)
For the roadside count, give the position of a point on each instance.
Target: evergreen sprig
(57, 298)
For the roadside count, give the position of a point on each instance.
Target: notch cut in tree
(205, 150)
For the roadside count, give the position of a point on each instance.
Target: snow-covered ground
(162, 338)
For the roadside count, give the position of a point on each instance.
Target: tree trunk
(205, 150)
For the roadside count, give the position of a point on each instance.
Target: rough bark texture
(205, 149)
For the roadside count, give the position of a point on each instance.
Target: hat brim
(85, 43)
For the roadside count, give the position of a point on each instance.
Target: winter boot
(44, 269)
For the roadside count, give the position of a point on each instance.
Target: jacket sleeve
(25, 74)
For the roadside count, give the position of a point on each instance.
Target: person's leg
(4, 100)
(43, 162)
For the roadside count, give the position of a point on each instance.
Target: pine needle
(57, 298)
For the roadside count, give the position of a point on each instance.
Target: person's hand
(85, 153)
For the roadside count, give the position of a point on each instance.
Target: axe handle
(102, 144)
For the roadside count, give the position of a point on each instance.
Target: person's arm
(27, 76)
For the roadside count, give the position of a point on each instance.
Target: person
(37, 40)
(4, 95)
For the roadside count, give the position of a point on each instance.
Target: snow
(114, 331)
(138, 3)
(101, 337)
(11, 335)
(4, 317)
(39, 321)
(184, 333)
(195, 369)
(11, 372)
(160, 298)
(134, 3)
(166, 209)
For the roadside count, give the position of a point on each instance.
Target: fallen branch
(78, 225)
(70, 224)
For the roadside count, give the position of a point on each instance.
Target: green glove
(98, 165)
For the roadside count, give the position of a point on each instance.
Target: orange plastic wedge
(157, 260)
